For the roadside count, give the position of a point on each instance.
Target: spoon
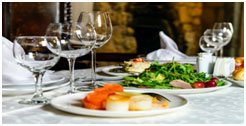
(158, 96)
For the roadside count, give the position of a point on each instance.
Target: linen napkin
(11, 71)
(169, 49)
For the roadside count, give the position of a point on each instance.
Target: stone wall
(122, 40)
(188, 23)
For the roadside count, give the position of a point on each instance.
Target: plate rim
(110, 77)
(240, 83)
(183, 91)
(98, 113)
(106, 70)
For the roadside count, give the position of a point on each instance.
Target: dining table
(224, 106)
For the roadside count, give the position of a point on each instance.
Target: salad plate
(115, 71)
(104, 76)
(72, 103)
(240, 83)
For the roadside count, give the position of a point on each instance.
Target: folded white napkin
(169, 49)
(12, 72)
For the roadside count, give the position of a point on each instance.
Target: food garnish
(138, 65)
(171, 75)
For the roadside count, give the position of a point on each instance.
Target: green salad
(158, 76)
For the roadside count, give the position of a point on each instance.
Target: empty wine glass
(207, 47)
(76, 40)
(226, 31)
(211, 34)
(102, 23)
(37, 54)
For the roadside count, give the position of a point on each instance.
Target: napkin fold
(12, 73)
(168, 50)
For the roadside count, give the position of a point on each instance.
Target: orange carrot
(114, 87)
(89, 105)
(96, 99)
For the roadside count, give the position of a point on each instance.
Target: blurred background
(136, 25)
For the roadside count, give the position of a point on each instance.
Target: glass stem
(71, 62)
(221, 52)
(216, 53)
(93, 67)
(38, 77)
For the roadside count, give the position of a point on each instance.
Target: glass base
(36, 101)
(87, 86)
(79, 78)
(71, 92)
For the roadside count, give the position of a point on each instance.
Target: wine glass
(76, 40)
(211, 34)
(37, 54)
(103, 27)
(225, 28)
(207, 47)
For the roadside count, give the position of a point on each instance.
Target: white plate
(240, 83)
(181, 91)
(72, 103)
(102, 75)
(107, 70)
(9, 90)
(48, 78)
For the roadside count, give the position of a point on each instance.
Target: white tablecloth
(221, 107)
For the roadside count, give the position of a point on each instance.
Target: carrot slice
(101, 90)
(89, 105)
(114, 87)
(96, 98)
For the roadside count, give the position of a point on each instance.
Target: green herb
(220, 83)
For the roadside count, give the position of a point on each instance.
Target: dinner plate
(9, 90)
(180, 91)
(72, 103)
(240, 83)
(104, 76)
(110, 70)
(47, 79)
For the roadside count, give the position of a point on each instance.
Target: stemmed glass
(226, 31)
(103, 27)
(76, 40)
(37, 54)
(210, 44)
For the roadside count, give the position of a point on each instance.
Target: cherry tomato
(214, 79)
(198, 84)
(211, 83)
